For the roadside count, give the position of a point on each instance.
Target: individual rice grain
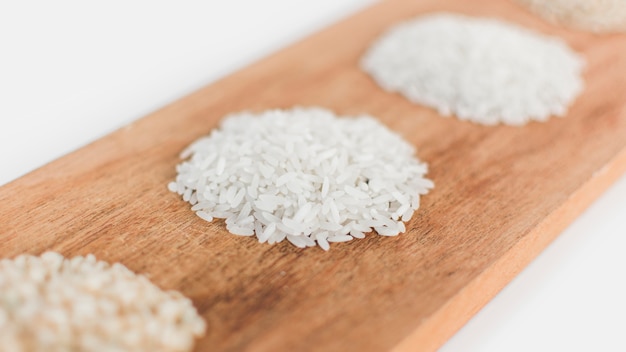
(599, 16)
(50, 303)
(482, 70)
(303, 175)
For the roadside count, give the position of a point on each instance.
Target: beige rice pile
(50, 303)
(591, 15)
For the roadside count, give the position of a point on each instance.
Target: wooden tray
(502, 194)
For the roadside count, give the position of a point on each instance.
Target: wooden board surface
(502, 194)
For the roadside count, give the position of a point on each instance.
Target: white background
(73, 71)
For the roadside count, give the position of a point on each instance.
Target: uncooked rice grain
(50, 303)
(482, 70)
(303, 175)
(592, 15)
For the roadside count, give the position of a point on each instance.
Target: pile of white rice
(592, 15)
(49, 303)
(303, 175)
(481, 70)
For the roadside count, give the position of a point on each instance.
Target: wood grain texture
(502, 194)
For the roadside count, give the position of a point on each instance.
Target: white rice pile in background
(49, 303)
(592, 15)
(303, 175)
(481, 70)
